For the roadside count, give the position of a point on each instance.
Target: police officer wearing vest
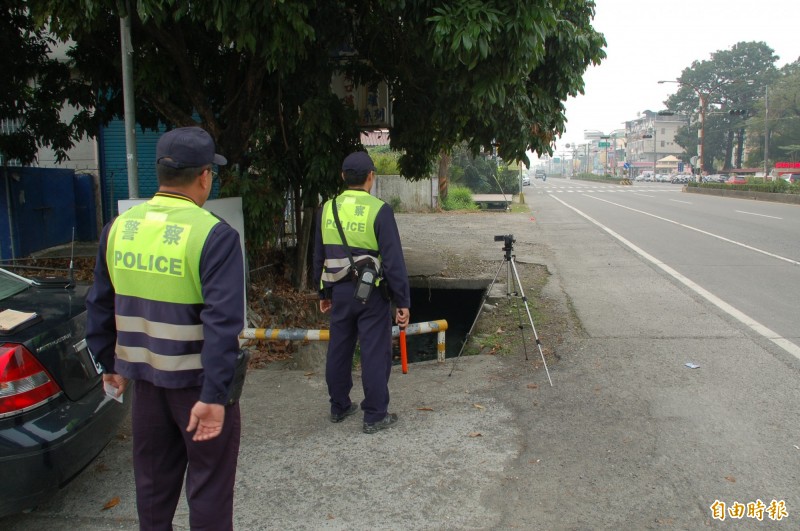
(165, 312)
(371, 234)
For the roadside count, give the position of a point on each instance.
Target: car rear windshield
(10, 284)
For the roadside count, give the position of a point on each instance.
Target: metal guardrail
(299, 334)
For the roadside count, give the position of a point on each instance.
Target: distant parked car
(540, 174)
(793, 178)
(55, 417)
(526, 181)
(736, 179)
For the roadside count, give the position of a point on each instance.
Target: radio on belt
(366, 281)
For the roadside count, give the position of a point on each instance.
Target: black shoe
(338, 417)
(387, 422)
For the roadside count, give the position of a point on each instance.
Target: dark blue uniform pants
(163, 452)
(371, 325)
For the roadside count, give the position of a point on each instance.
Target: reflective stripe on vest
(344, 265)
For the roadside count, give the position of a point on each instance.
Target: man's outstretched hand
(206, 420)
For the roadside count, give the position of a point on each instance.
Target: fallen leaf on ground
(478, 406)
(309, 374)
(731, 479)
(113, 502)
(424, 409)
(533, 386)
(474, 434)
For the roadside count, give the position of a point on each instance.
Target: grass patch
(459, 198)
(505, 330)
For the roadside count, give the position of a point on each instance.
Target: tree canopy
(35, 89)
(780, 110)
(257, 75)
(731, 82)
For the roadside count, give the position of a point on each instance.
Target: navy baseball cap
(187, 147)
(359, 162)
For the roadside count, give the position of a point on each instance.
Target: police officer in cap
(165, 312)
(371, 234)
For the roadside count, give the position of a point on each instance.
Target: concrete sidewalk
(297, 470)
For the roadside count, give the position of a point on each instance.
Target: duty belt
(344, 265)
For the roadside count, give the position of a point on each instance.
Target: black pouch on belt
(242, 360)
(366, 278)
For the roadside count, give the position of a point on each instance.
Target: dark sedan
(55, 417)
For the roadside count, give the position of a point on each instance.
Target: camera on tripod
(507, 239)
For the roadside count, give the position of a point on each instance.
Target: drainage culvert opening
(456, 301)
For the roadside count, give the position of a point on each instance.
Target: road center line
(679, 201)
(748, 321)
(643, 195)
(754, 214)
(701, 231)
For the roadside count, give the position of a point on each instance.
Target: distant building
(379, 137)
(652, 137)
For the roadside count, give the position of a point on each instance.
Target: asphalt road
(628, 437)
(745, 253)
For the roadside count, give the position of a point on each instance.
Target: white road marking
(643, 195)
(701, 231)
(679, 201)
(748, 321)
(754, 214)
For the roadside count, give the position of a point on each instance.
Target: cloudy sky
(651, 40)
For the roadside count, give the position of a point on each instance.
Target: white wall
(416, 196)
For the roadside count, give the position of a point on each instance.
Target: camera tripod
(511, 274)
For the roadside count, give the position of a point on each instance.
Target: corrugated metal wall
(40, 209)
(115, 168)
(114, 174)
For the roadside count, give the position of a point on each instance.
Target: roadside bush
(385, 161)
(779, 186)
(597, 178)
(396, 203)
(459, 198)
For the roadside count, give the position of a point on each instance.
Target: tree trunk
(304, 250)
(444, 167)
(739, 148)
(726, 164)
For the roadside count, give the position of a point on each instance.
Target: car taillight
(24, 383)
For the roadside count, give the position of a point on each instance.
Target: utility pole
(700, 132)
(655, 144)
(766, 132)
(127, 92)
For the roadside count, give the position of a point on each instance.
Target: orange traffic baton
(403, 351)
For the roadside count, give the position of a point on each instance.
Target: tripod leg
(474, 322)
(521, 329)
(530, 318)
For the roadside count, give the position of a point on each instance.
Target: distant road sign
(603, 144)
(627, 166)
